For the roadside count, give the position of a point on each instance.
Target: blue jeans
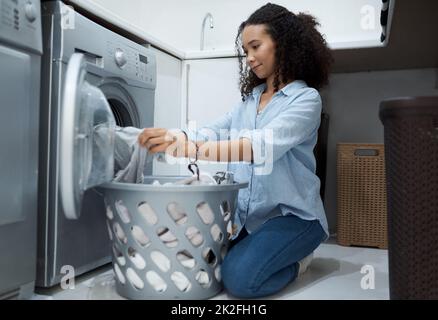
(265, 261)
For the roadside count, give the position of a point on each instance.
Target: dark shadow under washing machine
(126, 74)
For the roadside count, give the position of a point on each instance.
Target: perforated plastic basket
(169, 241)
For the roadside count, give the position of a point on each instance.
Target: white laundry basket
(169, 241)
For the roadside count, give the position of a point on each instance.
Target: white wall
(167, 102)
(178, 22)
(352, 100)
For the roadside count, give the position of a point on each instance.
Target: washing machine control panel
(130, 61)
(20, 22)
(120, 58)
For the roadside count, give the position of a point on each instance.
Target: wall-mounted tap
(208, 15)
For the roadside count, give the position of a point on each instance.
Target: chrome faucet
(208, 15)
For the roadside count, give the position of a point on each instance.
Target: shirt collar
(287, 90)
(258, 89)
(294, 85)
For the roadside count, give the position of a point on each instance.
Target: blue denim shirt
(282, 177)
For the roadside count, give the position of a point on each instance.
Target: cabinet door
(167, 102)
(210, 89)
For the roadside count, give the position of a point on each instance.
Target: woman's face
(260, 50)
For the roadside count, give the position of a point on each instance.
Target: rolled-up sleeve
(291, 127)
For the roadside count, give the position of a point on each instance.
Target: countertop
(414, 25)
(122, 24)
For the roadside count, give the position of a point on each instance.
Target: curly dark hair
(301, 51)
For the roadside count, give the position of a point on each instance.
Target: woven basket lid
(408, 106)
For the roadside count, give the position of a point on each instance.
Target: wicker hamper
(361, 195)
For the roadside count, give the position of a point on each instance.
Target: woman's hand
(170, 141)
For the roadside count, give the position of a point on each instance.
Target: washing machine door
(86, 138)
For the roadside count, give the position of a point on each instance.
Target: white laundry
(163, 263)
(160, 260)
(167, 237)
(195, 236)
(205, 212)
(124, 143)
(138, 260)
(181, 281)
(156, 281)
(133, 173)
(134, 278)
(177, 213)
(148, 213)
(122, 211)
(129, 157)
(186, 259)
(120, 233)
(205, 178)
(203, 278)
(119, 274)
(216, 233)
(121, 260)
(139, 235)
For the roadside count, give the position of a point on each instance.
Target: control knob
(30, 11)
(120, 58)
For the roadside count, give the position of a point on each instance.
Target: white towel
(133, 172)
(129, 158)
(205, 178)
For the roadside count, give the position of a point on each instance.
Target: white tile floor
(335, 273)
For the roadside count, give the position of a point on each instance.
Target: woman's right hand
(170, 141)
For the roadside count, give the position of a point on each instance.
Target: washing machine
(125, 72)
(20, 59)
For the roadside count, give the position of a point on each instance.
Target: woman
(268, 140)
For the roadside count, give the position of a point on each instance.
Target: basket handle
(366, 152)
